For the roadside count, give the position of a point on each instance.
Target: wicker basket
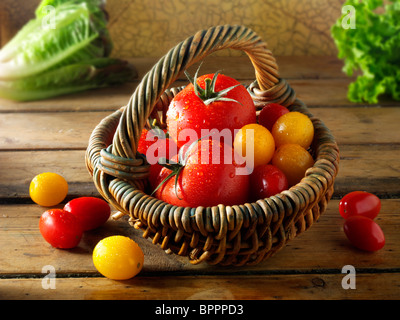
(224, 235)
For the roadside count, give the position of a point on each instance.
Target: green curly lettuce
(64, 49)
(372, 46)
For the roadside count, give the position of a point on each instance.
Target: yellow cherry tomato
(118, 257)
(254, 143)
(48, 189)
(294, 161)
(293, 127)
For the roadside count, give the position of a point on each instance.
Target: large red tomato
(207, 176)
(212, 101)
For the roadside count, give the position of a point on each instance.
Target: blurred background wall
(142, 28)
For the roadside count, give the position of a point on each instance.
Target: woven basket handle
(177, 60)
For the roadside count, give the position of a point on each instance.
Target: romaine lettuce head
(67, 79)
(43, 59)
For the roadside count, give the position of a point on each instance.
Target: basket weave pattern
(226, 235)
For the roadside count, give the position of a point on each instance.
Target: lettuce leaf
(373, 47)
(42, 61)
(67, 79)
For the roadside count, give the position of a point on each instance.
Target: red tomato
(90, 211)
(191, 116)
(154, 145)
(208, 177)
(364, 233)
(266, 181)
(359, 203)
(270, 113)
(60, 228)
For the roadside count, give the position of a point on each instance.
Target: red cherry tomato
(359, 203)
(270, 113)
(266, 181)
(364, 233)
(90, 211)
(60, 228)
(155, 145)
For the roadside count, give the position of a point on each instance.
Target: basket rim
(324, 168)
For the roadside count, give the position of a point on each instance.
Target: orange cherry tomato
(48, 189)
(254, 143)
(293, 160)
(293, 128)
(118, 257)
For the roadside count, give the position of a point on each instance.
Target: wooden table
(52, 136)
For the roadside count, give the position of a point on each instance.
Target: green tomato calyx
(208, 94)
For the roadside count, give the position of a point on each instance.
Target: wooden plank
(318, 82)
(355, 125)
(240, 67)
(290, 67)
(17, 174)
(71, 130)
(373, 168)
(323, 247)
(322, 92)
(315, 93)
(51, 130)
(224, 287)
(110, 98)
(310, 67)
